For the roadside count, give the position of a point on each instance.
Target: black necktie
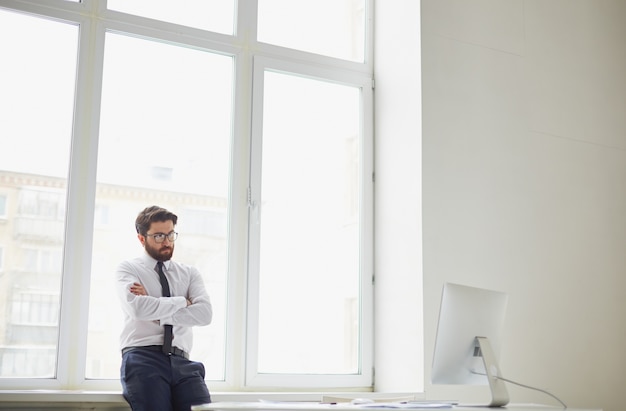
(165, 290)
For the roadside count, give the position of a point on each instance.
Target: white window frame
(250, 56)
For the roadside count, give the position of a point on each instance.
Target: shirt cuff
(178, 302)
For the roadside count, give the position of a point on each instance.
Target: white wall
(398, 261)
(524, 185)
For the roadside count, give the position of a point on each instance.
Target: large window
(252, 121)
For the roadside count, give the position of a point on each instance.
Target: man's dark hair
(150, 215)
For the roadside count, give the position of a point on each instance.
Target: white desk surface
(314, 406)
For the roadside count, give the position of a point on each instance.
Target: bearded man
(161, 300)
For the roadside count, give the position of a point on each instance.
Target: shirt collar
(152, 263)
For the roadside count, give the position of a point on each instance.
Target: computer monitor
(468, 338)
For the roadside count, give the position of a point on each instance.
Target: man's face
(159, 251)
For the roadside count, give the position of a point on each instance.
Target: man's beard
(160, 253)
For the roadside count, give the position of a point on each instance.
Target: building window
(3, 206)
(261, 142)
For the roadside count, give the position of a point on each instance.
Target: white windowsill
(116, 398)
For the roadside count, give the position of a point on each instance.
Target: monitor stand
(499, 394)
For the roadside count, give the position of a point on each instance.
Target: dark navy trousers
(153, 381)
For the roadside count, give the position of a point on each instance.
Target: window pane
(334, 28)
(165, 134)
(309, 257)
(37, 81)
(3, 204)
(215, 16)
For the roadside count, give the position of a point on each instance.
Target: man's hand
(138, 289)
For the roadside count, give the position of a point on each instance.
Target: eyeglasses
(160, 237)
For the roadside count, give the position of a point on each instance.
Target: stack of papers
(360, 404)
(406, 405)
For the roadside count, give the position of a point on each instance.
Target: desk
(314, 406)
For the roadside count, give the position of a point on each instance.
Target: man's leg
(188, 386)
(145, 377)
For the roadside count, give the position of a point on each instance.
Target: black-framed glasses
(160, 237)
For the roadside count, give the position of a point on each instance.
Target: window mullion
(246, 30)
(239, 220)
(254, 216)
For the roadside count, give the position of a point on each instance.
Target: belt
(175, 350)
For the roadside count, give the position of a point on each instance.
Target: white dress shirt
(145, 315)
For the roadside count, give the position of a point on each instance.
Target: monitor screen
(468, 337)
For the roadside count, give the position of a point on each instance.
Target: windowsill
(60, 396)
(115, 398)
